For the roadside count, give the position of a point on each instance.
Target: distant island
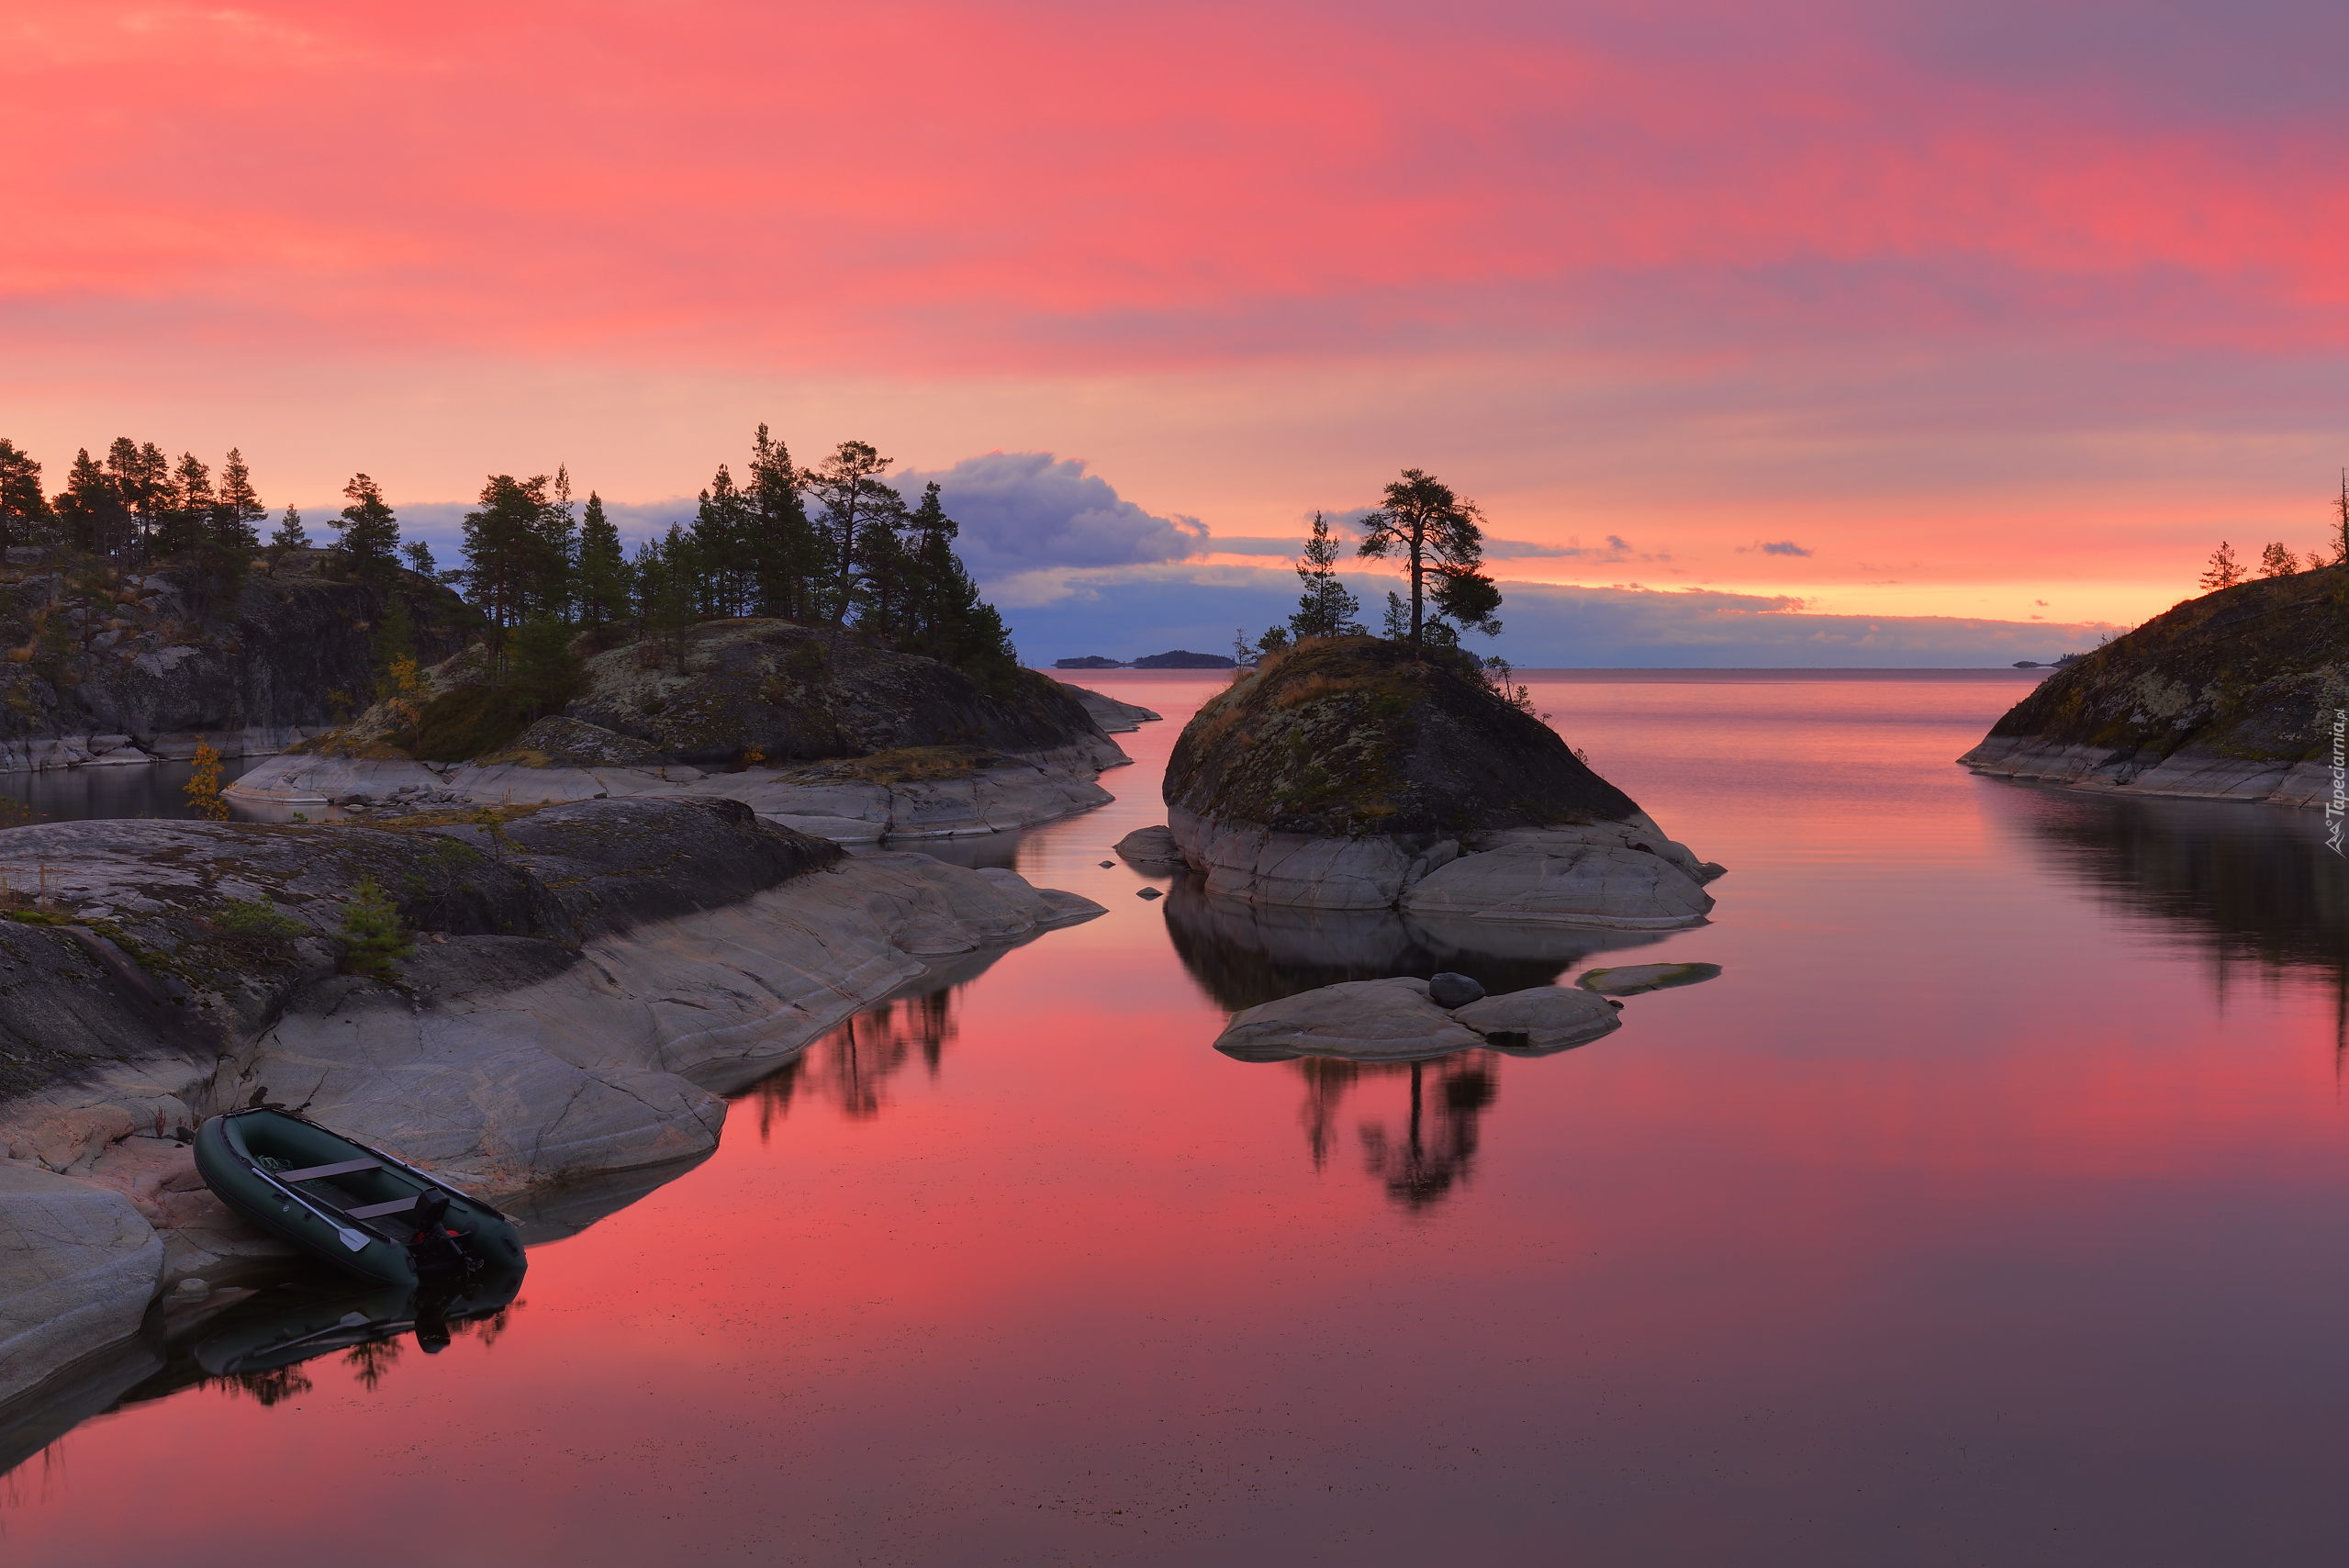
(1179, 658)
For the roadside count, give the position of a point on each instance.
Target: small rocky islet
(1352, 774)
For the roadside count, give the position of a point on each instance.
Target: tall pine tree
(370, 531)
(238, 514)
(603, 571)
(24, 511)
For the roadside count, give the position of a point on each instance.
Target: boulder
(1447, 989)
(1630, 979)
(1150, 847)
(1345, 774)
(1398, 1020)
(1541, 1020)
(1382, 1020)
(77, 1268)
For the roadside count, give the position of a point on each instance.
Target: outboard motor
(433, 1249)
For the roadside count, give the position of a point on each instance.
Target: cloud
(1027, 511)
(1783, 547)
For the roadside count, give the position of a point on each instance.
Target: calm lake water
(1987, 1210)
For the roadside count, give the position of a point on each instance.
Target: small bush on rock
(373, 942)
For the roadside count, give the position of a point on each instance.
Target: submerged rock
(1630, 979)
(1397, 1020)
(1344, 775)
(2231, 696)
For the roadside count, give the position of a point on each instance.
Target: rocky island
(2231, 696)
(814, 730)
(1347, 775)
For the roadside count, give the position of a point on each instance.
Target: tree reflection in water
(1438, 1142)
(2246, 886)
(852, 1066)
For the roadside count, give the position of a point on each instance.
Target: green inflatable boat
(350, 1206)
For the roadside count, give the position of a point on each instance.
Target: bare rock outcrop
(109, 667)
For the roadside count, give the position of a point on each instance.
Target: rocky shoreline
(587, 978)
(941, 792)
(2229, 697)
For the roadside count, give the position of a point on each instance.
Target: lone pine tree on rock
(1439, 536)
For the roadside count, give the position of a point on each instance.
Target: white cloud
(1027, 511)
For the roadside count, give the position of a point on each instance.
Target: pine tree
(1327, 608)
(91, 508)
(545, 668)
(24, 511)
(782, 552)
(849, 484)
(370, 532)
(664, 592)
(185, 520)
(2224, 571)
(1437, 535)
(514, 564)
(2277, 560)
(238, 514)
(290, 534)
(721, 547)
(142, 477)
(603, 586)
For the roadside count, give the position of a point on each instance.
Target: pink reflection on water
(1962, 1219)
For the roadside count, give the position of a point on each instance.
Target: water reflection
(2245, 884)
(1244, 954)
(851, 1067)
(261, 1343)
(87, 794)
(1430, 1152)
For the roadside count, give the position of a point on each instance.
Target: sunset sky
(1993, 310)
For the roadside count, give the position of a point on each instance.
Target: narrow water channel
(1988, 1208)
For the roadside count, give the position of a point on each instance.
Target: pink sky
(1996, 311)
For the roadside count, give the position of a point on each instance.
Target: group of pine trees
(832, 545)
(2224, 570)
(1439, 540)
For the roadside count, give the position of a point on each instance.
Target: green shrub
(373, 942)
(257, 917)
(459, 725)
